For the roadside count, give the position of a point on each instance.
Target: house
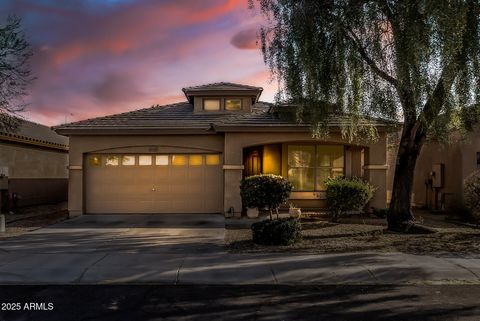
(33, 165)
(190, 157)
(441, 170)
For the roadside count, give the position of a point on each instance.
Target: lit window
(94, 160)
(211, 104)
(128, 160)
(112, 161)
(233, 104)
(144, 160)
(309, 165)
(179, 160)
(212, 159)
(301, 167)
(161, 160)
(195, 160)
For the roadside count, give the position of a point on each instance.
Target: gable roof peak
(223, 85)
(217, 88)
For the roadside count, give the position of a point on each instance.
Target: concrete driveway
(122, 247)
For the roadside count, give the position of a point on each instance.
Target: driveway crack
(177, 275)
(79, 279)
(370, 272)
(273, 276)
(465, 268)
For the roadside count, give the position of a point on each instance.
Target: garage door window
(145, 160)
(128, 160)
(94, 161)
(212, 159)
(179, 160)
(196, 160)
(161, 160)
(112, 161)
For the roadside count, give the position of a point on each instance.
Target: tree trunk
(400, 214)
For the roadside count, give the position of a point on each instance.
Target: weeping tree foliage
(416, 61)
(15, 74)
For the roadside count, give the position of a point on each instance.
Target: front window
(310, 165)
(211, 104)
(233, 104)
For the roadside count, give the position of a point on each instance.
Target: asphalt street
(170, 302)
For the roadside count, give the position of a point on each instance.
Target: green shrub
(284, 231)
(265, 191)
(471, 194)
(380, 212)
(347, 194)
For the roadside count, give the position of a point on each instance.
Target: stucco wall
(375, 155)
(37, 175)
(459, 161)
(231, 144)
(32, 162)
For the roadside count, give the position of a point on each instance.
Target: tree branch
(381, 73)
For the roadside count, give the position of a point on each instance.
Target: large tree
(416, 61)
(15, 73)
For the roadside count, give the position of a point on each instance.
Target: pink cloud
(138, 54)
(245, 39)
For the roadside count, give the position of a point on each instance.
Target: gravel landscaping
(32, 218)
(352, 235)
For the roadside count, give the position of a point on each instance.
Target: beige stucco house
(441, 170)
(190, 157)
(33, 164)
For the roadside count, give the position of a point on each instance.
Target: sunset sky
(98, 57)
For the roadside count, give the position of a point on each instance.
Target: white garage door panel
(153, 189)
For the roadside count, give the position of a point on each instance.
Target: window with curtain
(310, 165)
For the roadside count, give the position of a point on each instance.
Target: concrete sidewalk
(223, 268)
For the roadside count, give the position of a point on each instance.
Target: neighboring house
(190, 157)
(33, 163)
(440, 172)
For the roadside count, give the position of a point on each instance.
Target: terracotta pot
(252, 212)
(295, 212)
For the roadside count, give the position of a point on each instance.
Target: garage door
(170, 183)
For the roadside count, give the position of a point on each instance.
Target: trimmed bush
(347, 194)
(284, 231)
(265, 191)
(471, 194)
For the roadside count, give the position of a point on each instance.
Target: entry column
(375, 170)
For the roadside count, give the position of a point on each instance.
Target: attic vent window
(233, 104)
(211, 104)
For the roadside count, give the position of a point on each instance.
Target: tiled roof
(36, 134)
(222, 86)
(181, 116)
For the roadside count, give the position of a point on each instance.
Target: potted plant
(250, 197)
(252, 212)
(294, 211)
(265, 192)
